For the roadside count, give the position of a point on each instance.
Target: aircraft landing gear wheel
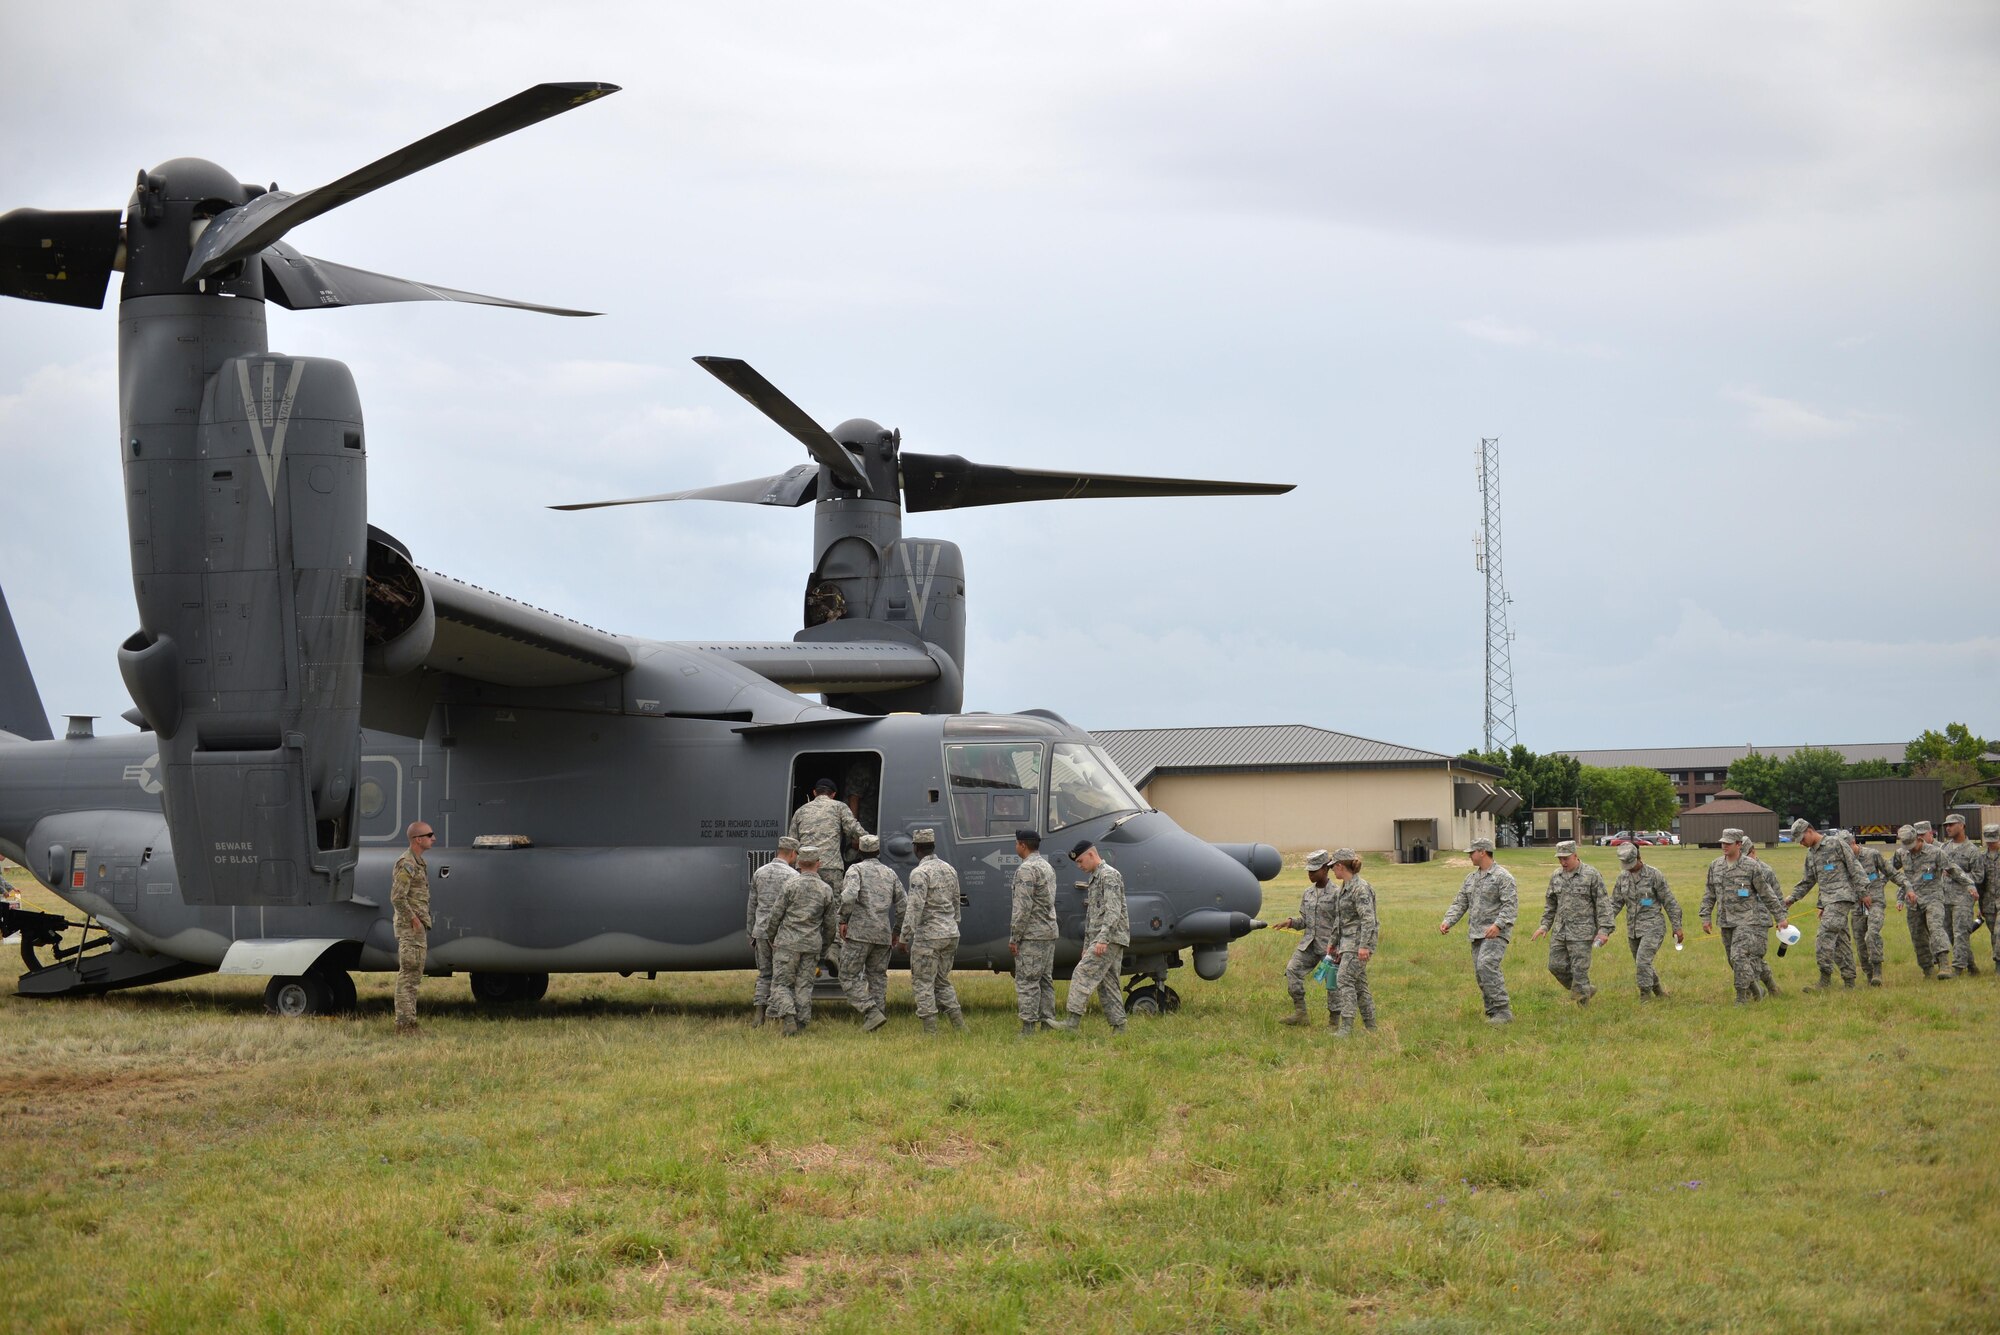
(1143, 1001)
(508, 989)
(293, 995)
(340, 989)
(1170, 1000)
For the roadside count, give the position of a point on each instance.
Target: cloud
(1488, 329)
(1788, 419)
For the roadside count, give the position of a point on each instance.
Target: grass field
(631, 1155)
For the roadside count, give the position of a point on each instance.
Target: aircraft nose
(1219, 899)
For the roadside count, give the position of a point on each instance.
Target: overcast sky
(1722, 278)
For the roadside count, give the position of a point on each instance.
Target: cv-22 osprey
(304, 688)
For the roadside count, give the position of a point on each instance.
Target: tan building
(1704, 825)
(1299, 788)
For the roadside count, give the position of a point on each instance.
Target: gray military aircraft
(304, 688)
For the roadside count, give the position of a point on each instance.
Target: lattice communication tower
(1499, 639)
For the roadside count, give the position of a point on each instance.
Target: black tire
(296, 995)
(340, 987)
(533, 986)
(1143, 1001)
(1170, 999)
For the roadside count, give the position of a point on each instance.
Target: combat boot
(1927, 971)
(1874, 980)
(1825, 983)
(1298, 1015)
(1345, 1028)
(930, 1024)
(1368, 1020)
(1645, 994)
(792, 1027)
(957, 1020)
(406, 1028)
(1069, 1024)
(1118, 1028)
(1333, 1020)
(1583, 992)
(1500, 1017)
(1973, 967)
(1847, 983)
(1659, 992)
(757, 1018)
(875, 1020)
(1029, 1029)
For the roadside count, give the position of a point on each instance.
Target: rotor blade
(791, 488)
(762, 395)
(64, 257)
(248, 229)
(948, 482)
(303, 283)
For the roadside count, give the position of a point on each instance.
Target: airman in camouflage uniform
(802, 924)
(1031, 934)
(1959, 910)
(1868, 917)
(1920, 928)
(1107, 930)
(1642, 892)
(871, 903)
(410, 905)
(931, 927)
(1762, 871)
(1579, 912)
(1832, 866)
(1989, 889)
(1316, 918)
(757, 918)
(1928, 878)
(1742, 895)
(1357, 932)
(1489, 902)
(824, 822)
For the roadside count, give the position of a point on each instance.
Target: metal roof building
(1300, 787)
(1700, 773)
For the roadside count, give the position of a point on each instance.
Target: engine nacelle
(249, 544)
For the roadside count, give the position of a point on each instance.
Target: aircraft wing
(831, 667)
(492, 638)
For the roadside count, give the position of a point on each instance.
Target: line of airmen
(805, 900)
(1949, 889)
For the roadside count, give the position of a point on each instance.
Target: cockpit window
(996, 788)
(1083, 783)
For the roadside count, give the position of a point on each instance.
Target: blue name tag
(1645, 903)
(1743, 894)
(1927, 876)
(1874, 875)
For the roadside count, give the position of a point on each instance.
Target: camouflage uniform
(822, 823)
(757, 918)
(1769, 880)
(1989, 889)
(410, 896)
(1485, 899)
(1868, 918)
(1920, 928)
(1578, 912)
(1959, 909)
(1650, 907)
(1742, 900)
(1933, 879)
(1317, 919)
(871, 904)
(1832, 866)
(1106, 919)
(931, 927)
(801, 923)
(1357, 929)
(1032, 930)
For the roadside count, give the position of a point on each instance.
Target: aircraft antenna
(1499, 639)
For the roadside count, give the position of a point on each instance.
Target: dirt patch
(1454, 862)
(64, 1096)
(794, 1159)
(946, 1152)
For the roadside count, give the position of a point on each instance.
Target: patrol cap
(1799, 828)
(1922, 827)
(826, 786)
(808, 855)
(870, 843)
(1346, 855)
(1082, 846)
(1628, 852)
(1318, 859)
(1954, 819)
(1906, 834)
(924, 838)
(1481, 846)
(1992, 833)
(787, 844)
(1566, 849)
(1732, 835)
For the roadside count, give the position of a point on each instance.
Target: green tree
(1541, 780)
(1870, 769)
(1630, 797)
(1809, 784)
(1757, 777)
(1956, 742)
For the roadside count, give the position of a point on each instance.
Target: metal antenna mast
(1486, 559)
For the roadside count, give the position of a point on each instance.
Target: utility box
(1874, 808)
